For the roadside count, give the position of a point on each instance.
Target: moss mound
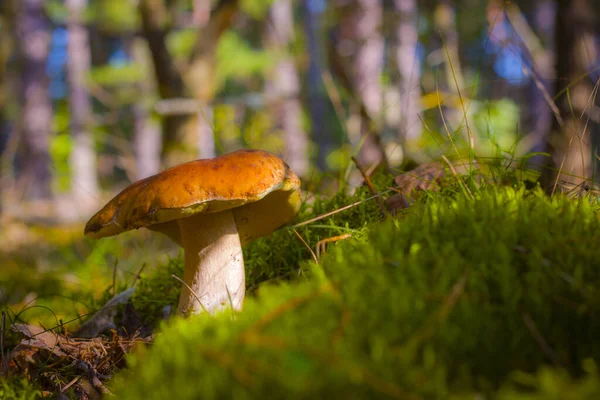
(449, 300)
(18, 388)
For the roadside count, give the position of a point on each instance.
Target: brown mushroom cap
(261, 187)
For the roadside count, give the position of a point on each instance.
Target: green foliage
(121, 81)
(114, 16)
(446, 301)
(181, 42)
(237, 60)
(497, 121)
(56, 10)
(110, 75)
(260, 131)
(60, 147)
(554, 384)
(18, 388)
(60, 150)
(339, 158)
(256, 8)
(225, 127)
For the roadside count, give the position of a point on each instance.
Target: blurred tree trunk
(445, 25)
(5, 50)
(169, 82)
(362, 45)
(283, 86)
(409, 69)
(543, 15)
(200, 75)
(207, 148)
(99, 49)
(196, 79)
(84, 179)
(33, 42)
(313, 26)
(540, 45)
(6, 35)
(147, 140)
(571, 140)
(7, 16)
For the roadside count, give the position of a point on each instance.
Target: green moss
(448, 300)
(158, 290)
(554, 384)
(18, 388)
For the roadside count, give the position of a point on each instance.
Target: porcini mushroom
(210, 207)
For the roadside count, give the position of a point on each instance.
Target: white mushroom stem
(214, 264)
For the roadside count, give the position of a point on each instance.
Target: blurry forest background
(95, 94)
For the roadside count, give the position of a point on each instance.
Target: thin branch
(369, 184)
(307, 246)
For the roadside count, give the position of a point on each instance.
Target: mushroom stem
(214, 264)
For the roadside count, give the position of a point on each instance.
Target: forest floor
(496, 280)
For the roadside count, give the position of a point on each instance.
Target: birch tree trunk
(33, 43)
(367, 79)
(409, 70)
(362, 45)
(147, 138)
(168, 80)
(313, 25)
(7, 10)
(84, 179)
(5, 51)
(207, 147)
(7, 16)
(571, 140)
(196, 80)
(283, 86)
(445, 24)
(540, 90)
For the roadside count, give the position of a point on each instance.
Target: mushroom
(211, 208)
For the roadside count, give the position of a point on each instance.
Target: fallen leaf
(423, 178)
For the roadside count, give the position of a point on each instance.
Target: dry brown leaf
(424, 177)
(39, 338)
